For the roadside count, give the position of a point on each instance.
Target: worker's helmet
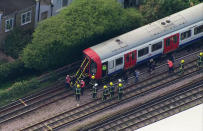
(120, 85)
(95, 84)
(119, 80)
(201, 53)
(182, 61)
(78, 86)
(111, 83)
(105, 86)
(93, 77)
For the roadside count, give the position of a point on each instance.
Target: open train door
(130, 59)
(171, 43)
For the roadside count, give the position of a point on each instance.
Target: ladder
(81, 70)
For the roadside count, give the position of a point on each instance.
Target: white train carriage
(157, 38)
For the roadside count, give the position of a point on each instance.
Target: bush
(18, 89)
(60, 40)
(16, 41)
(13, 70)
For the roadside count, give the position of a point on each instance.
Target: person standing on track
(181, 67)
(94, 91)
(105, 93)
(136, 75)
(120, 91)
(78, 92)
(112, 89)
(68, 81)
(200, 60)
(92, 81)
(170, 66)
(82, 83)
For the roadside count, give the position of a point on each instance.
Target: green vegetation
(60, 40)
(153, 10)
(13, 70)
(16, 41)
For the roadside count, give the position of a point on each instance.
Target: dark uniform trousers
(120, 93)
(94, 94)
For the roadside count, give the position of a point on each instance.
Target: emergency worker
(120, 91)
(94, 91)
(200, 60)
(181, 67)
(82, 83)
(78, 92)
(68, 81)
(105, 93)
(111, 89)
(170, 66)
(92, 81)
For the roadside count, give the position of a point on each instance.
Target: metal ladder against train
(81, 70)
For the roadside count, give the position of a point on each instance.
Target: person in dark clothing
(120, 91)
(172, 58)
(105, 93)
(94, 91)
(78, 92)
(136, 75)
(125, 76)
(111, 89)
(151, 65)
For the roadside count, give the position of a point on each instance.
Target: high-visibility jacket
(94, 89)
(200, 58)
(105, 92)
(111, 89)
(170, 64)
(82, 83)
(181, 66)
(77, 91)
(120, 89)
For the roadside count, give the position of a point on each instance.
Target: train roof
(149, 32)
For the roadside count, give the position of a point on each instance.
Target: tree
(153, 10)
(60, 39)
(16, 41)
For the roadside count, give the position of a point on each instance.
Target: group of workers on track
(109, 90)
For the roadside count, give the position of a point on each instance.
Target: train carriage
(152, 40)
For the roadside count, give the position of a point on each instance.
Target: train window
(143, 51)
(175, 39)
(93, 67)
(111, 64)
(167, 42)
(156, 46)
(133, 55)
(185, 35)
(119, 61)
(198, 29)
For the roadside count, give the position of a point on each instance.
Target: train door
(130, 59)
(104, 69)
(171, 43)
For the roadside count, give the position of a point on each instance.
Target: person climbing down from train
(68, 81)
(105, 93)
(78, 92)
(120, 91)
(94, 91)
(200, 60)
(112, 89)
(82, 83)
(170, 66)
(181, 67)
(136, 75)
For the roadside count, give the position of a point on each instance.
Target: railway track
(145, 87)
(153, 110)
(41, 99)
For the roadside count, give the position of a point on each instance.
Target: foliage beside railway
(13, 70)
(60, 39)
(18, 90)
(153, 10)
